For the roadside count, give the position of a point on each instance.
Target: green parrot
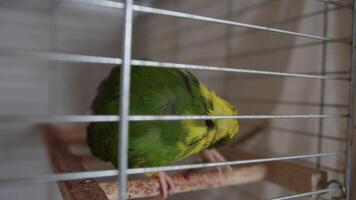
(160, 91)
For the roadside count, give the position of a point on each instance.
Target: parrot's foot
(214, 156)
(166, 184)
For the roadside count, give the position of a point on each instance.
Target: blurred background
(40, 87)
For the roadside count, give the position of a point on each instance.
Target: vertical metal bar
(125, 99)
(52, 70)
(322, 86)
(348, 166)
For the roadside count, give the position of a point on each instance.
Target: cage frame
(124, 117)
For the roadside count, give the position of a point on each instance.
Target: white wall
(30, 87)
(195, 42)
(33, 87)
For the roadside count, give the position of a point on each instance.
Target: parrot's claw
(166, 184)
(214, 156)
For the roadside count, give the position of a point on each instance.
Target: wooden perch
(296, 177)
(63, 160)
(149, 187)
(60, 141)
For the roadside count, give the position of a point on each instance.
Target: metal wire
(344, 74)
(323, 86)
(118, 61)
(221, 21)
(295, 196)
(125, 100)
(53, 56)
(196, 17)
(253, 53)
(114, 118)
(111, 173)
(59, 177)
(291, 19)
(216, 40)
(238, 162)
(287, 102)
(124, 117)
(104, 3)
(351, 121)
(167, 35)
(227, 69)
(204, 117)
(58, 119)
(340, 186)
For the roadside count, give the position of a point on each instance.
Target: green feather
(154, 91)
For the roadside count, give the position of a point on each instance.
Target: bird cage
(288, 66)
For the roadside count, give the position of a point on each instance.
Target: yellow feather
(221, 107)
(222, 128)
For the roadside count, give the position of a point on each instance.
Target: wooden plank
(197, 180)
(59, 141)
(63, 161)
(296, 177)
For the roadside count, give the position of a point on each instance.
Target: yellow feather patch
(197, 131)
(221, 107)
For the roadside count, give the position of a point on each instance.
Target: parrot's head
(223, 129)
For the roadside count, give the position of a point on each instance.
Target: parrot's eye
(209, 123)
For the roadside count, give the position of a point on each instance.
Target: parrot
(161, 91)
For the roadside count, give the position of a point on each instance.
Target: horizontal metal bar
(220, 164)
(243, 55)
(117, 61)
(205, 117)
(53, 56)
(286, 102)
(300, 195)
(151, 10)
(112, 173)
(103, 3)
(120, 5)
(60, 177)
(226, 69)
(257, 78)
(167, 35)
(198, 44)
(291, 19)
(339, 72)
(221, 21)
(115, 118)
(58, 118)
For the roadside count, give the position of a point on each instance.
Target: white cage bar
(124, 117)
